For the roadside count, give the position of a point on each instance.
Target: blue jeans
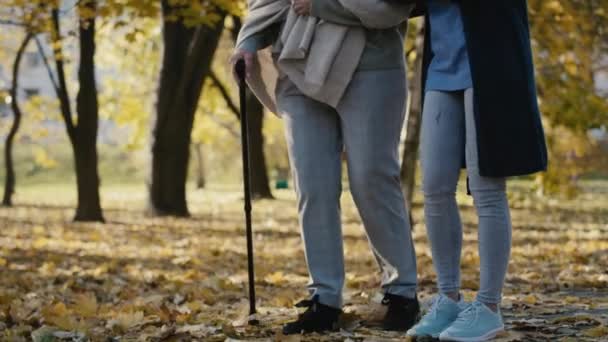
(367, 125)
(448, 138)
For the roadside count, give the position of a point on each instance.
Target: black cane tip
(241, 69)
(254, 322)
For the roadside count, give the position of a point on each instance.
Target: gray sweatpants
(448, 137)
(367, 124)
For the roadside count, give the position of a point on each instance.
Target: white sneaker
(475, 324)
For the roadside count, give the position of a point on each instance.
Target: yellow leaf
(599, 331)
(86, 305)
(277, 278)
(530, 299)
(208, 295)
(48, 267)
(68, 323)
(126, 320)
(182, 319)
(195, 306)
(59, 309)
(59, 316)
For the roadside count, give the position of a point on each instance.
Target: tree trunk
(83, 132)
(10, 180)
(413, 123)
(85, 142)
(187, 58)
(200, 166)
(260, 185)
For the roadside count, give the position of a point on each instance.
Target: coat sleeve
(334, 12)
(380, 14)
(262, 39)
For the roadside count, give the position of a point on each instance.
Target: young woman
(480, 110)
(366, 123)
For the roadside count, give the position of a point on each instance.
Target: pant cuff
(449, 289)
(488, 299)
(335, 301)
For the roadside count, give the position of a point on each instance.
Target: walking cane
(241, 72)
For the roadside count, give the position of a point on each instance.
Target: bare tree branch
(47, 66)
(224, 124)
(225, 94)
(64, 98)
(11, 23)
(9, 185)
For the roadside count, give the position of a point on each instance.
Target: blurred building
(601, 80)
(34, 81)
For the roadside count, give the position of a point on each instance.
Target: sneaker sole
(423, 336)
(490, 335)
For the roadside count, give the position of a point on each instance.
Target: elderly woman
(346, 93)
(480, 106)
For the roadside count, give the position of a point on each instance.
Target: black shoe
(402, 312)
(317, 318)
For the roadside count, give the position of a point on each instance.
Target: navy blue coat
(510, 136)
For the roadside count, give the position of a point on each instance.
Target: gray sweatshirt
(383, 49)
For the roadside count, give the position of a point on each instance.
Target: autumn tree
(190, 40)
(29, 18)
(570, 40)
(82, 128)
(10, 180)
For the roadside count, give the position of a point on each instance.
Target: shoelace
(306, 303)
(469, 314)
(387, 301)
(311, 304)
(435, 307)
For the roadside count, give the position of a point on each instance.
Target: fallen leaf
(530, 299)
(126, 320)
(60, 316)
(85, 305)
(198, 330)
(276, 278)
(599, 331)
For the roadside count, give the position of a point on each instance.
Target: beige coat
(319, 57)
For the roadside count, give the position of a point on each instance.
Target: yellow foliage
(42, 159)
(569, 41)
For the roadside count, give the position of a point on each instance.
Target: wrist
(248, 46)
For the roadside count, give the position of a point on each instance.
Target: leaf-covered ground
(137, 278)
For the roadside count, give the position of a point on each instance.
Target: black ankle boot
(317, 318)
(402, 312)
